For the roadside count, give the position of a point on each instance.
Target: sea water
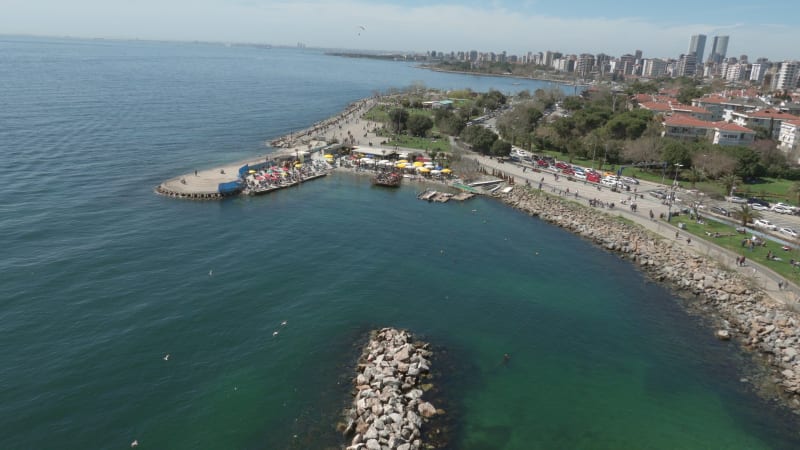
(100, 278)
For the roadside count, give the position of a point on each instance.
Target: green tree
(729, 181)
(419, 124)
(479, 138)
(501, 148)
(448, 123)
(572, 103)
(794, 189)
(745, 214)
(398, 117)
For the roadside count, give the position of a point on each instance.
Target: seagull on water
(135, 443)
(274, 333)
(283, 324)
(211, 272)
(166, 357)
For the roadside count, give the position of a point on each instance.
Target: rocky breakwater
(741, 309)
(388, 411)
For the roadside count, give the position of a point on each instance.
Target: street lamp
(672, 196)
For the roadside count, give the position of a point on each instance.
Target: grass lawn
(732, 240)
(420, 143)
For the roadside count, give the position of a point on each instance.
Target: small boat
(389, 179)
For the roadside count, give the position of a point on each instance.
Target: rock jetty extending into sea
(388, 411)
(757, 321)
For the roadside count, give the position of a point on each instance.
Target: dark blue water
(100, 278)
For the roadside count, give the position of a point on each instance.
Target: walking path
(765, 278)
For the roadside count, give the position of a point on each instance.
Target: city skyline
(516, 27)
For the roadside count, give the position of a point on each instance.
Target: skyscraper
(719, 48)
(697, 45)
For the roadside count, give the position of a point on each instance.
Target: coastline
(745, 312)
(753, 316)
(500, 75)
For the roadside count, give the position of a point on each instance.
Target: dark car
(760, 201)
(720, 210)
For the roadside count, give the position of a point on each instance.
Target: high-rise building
(687, 65)
(654, 68)
(757, 72)
(697, 45)
(788, 76)
(719, 48)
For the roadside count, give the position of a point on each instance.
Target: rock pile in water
(759, 322)
(388, 410)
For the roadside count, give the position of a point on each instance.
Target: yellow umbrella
(251, 171)
(446, 170)
(401, 166)
(328, 155)
(418, 164)
(298, 165)
(424, 170)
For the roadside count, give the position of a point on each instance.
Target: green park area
(727, 236)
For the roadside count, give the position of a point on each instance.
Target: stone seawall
(757, 321)
(388, 411)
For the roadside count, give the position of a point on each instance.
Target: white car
(735, 199)
(630, 180)
(782, 208)
(758, 207)
(580, 175)
(789, 231)
(782, 205)
(608, 182)
(764, 223)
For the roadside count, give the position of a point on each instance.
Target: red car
(593, 177)
(562, 165)
(568, 171)
(542, 163)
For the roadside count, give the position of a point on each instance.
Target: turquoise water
(101, 278)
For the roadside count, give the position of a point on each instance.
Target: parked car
(720, 210)
(580, 175)
(610, 182)
(630, 180)
(764, 223)
(782, 206)
(735, 199)
(561, 165)
(658, 194)
(759, 201)
(758, 207)
(789, 232)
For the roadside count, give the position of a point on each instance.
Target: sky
(658, 28)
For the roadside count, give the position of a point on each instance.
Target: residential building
(787, 78)
(768, 119)
(720, 133)
(789, 136)
(654, 68)
(757, 72)
(725, 133)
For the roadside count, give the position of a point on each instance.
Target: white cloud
(334, 24)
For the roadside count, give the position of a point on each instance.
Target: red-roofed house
(769, 119)
(685, 127)
(694, 111)
(789, 136)
(656, 107)
(680, 126)
(731, 134)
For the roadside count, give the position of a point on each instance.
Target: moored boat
(390, 179)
